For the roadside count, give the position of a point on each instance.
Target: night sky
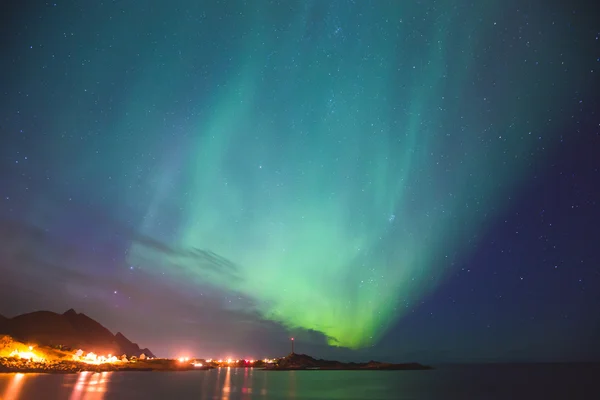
(401, 180)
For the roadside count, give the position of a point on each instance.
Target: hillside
(72, 330)
(129, 347)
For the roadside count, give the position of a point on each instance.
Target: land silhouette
(69, 331)
(45, 341)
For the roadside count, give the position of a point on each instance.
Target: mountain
(129, 347)
(71, 329)
(3, 322)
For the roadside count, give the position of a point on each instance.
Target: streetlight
(292, 345)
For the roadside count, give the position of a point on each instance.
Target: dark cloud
(40, 271)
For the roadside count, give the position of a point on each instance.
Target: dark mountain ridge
(3, 322)
(71, 329)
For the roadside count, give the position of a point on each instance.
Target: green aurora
(347, 153)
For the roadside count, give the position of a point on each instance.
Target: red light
(292, 338)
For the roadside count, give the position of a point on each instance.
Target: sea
(520, 381)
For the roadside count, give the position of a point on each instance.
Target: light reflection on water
(222, 383)
(292, 387)
(90, 386)
(227, 385)
(463, 382)
(14, 387)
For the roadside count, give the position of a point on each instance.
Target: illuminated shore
(28, 364)
(19, 357)
(16, 356)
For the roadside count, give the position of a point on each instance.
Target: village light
(26, 355)
(93, 358)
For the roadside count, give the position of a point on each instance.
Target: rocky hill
(72, 330)
(3, 322)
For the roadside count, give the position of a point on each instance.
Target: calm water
(456, 382)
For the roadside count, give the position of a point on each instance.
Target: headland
(295, 362)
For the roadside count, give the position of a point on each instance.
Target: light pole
(292, 345)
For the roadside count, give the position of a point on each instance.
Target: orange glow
(79, 386)
(27, 355)
(90, 386)
(226, 391)
(14, 388)
(93, 358)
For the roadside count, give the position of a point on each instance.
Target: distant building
(142, 356)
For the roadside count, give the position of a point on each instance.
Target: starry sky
(379, 179)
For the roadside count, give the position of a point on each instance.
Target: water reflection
(292, 387)
(263, 390)
(90, 386)
(551, 381)
(226, 385)
(246, 386)
(14, 387)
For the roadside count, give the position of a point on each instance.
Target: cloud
(41, 271)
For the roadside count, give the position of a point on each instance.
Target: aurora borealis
(324, 170)
(330, 164)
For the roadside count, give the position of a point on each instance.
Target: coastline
(303, 362)
(8, 366)
(74, 367)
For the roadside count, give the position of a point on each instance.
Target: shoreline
(72, 368)
(8, 366)
(95, 371)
